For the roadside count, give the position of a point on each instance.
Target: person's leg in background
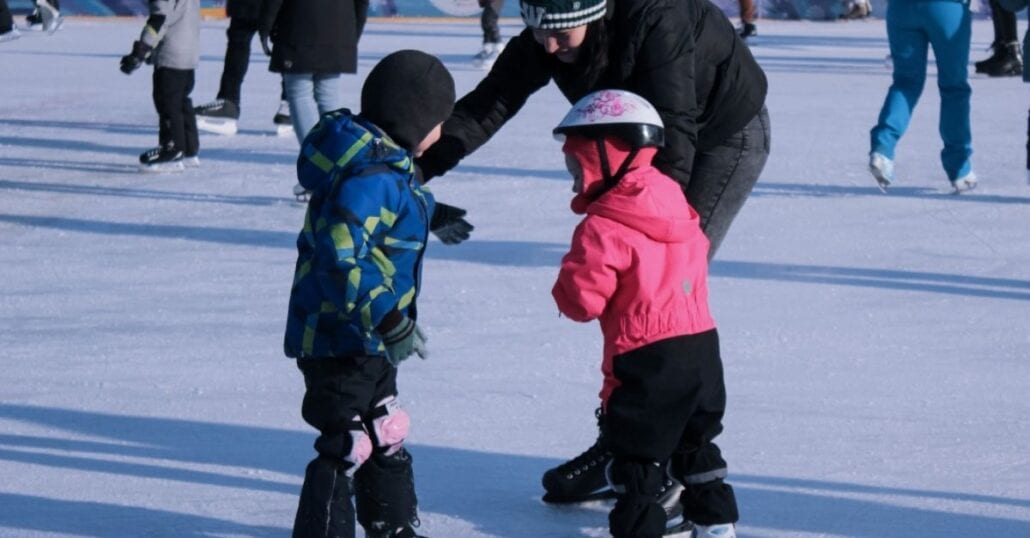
(909, 45)
(747, 18)
(300, 94)
(948, 25)
(1006, 61)
(492, 44)
(7, 30)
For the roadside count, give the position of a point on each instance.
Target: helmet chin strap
(606, 171)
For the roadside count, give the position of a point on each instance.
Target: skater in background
(171, 41)
(687, 60)
(313, 42)
(1015, 6)
(748, 14)
(8, 32)
(1006, 61)
(492, 44)
(913, 27)
(639, 264)
(352, 315)
(46, 16)
(220, 116)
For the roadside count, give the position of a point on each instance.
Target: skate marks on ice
(141, 193)
(79, 453)
(944, 192)
(893, 279)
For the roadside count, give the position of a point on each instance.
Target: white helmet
(617, 113)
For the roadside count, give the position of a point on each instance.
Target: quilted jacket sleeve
(589, 272)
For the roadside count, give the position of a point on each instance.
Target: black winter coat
(313, 36)
(243, 9)
(683, 56)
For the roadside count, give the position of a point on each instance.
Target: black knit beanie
(407, 94)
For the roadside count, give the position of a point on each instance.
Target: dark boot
(325, 509)
(637, 513)
(1005, 62)
(581, 478)
(384, 490)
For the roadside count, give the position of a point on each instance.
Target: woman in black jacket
(682, 56)
(686, 59)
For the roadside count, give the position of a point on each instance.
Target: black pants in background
(237, 59)
(1004, 24)
(177, 122)
(6, 22)
(665, 414)
(488, 20)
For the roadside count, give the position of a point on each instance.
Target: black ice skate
(1005, 62)
(158, 160)
(282, 121)
(748, 30)
(34, 21)
(218, 116)
(580, 479)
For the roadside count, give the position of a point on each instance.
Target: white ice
(877, 347)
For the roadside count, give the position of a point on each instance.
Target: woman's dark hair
(593, 59)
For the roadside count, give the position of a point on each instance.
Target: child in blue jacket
(352, 315)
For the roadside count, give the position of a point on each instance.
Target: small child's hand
(403, 341)
(449, 224)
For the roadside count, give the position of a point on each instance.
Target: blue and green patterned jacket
(360, 252)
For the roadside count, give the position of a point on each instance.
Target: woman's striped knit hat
(561, 14)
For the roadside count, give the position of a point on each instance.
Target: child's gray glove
(449, 225)
(404, 340)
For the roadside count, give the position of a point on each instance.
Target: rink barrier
(465, 9)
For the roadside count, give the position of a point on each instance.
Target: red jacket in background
(638, 260)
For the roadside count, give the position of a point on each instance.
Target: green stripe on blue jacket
(360, 252)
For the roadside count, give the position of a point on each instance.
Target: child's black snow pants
(664, 415)
(338, 391)
(177, 121)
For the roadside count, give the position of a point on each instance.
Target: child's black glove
(139, 54)
(449, 225)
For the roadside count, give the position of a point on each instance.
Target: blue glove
(404, 340)
(448, 224)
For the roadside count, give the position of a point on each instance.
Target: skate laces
(592, 457)
(213, 105)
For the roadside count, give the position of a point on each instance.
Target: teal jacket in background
(360, 252)
(1016, 6)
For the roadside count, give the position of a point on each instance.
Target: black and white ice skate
(9, 35)
(580, 479)
(160, 160)
(218, 116)
(282, 121)
(34, 21)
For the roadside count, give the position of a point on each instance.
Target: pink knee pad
(360, 450)
(390, 425)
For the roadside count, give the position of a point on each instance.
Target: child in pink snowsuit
(638, 263)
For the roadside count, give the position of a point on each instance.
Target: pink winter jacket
(638, 260)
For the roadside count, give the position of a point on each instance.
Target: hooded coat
(638, 260)
(359, 255)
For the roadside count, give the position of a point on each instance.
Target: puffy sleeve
(589, 272)
(522, 68)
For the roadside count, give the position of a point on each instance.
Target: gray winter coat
(173, 30)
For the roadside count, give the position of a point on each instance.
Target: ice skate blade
(284, 130)
(602, 495)
(224, 127)
(162, 168)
